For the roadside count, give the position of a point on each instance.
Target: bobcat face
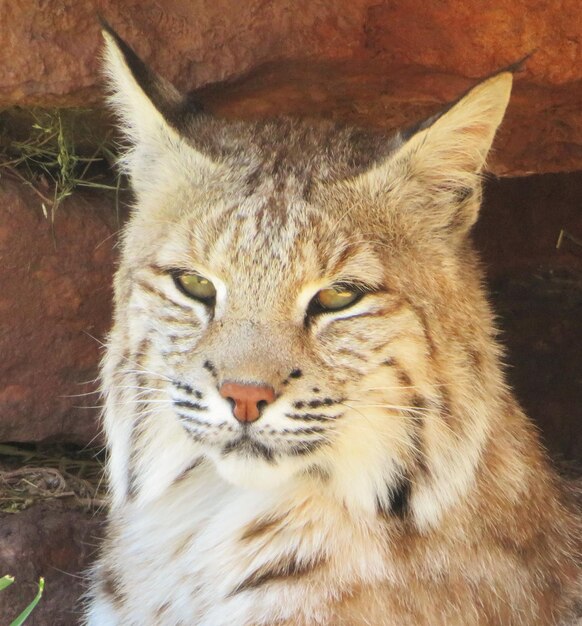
(284, 300)
(265, 325)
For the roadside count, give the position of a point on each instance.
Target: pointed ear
(437, 167)
(153, 114)
(145, 102)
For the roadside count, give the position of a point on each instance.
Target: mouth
(248, 446)
(246, 441)
(254, 459)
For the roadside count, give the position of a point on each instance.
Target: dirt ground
(51, 514)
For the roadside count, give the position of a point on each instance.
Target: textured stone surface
(50, 541)
(54, 307)
(375, 62)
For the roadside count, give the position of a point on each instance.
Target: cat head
(300, 299)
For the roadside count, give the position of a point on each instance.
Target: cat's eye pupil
(196, 286)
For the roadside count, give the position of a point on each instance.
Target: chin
(252, 472)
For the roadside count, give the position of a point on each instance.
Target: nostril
(247, 401)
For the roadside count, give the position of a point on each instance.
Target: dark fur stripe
(186, 388)
(183, 386)
(141, 354)
(181, 477)
(260, 527)
(195, 420)
(307, 447)
(353, 355)
(421, 315)
(382, 313)
(181, 319)
(209, 367)
(283, 571)
(310, 430)
(315, 404)
(111, 588)
(445, 405)
(403, 378)
(187, 404)
(319, 417)
(249, 447)
(398, 499)
(155, 292)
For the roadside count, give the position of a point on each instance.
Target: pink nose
(248, 399)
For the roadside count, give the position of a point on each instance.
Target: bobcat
(306, 415)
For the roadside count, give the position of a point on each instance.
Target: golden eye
(337, 298)
(196, 287)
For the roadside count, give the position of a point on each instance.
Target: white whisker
(81, 395)
(144, 371)
(394, 407)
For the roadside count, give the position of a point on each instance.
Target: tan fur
(394, 481)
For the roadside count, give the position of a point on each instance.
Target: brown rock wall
(374, 62)
(54, 309)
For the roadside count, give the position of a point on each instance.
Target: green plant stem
(28, 610)
(6, 581)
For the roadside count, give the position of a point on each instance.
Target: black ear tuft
(518, 65)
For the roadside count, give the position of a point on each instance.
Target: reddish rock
(54, 309)
(374, 62)
(50, 541)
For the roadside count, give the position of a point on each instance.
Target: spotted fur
(394, 481)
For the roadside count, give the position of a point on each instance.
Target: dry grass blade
(28, 476)
(567, 236)
(50, 161)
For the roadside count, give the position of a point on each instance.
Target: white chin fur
(255, 473)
